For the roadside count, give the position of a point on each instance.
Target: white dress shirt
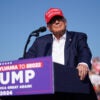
(58, 49)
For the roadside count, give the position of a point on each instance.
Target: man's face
(57, 25)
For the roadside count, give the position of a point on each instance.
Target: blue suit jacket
(76, 48)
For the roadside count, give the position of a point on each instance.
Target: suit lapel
(67, 45)
(68, 39)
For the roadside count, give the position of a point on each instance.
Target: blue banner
(27, 76)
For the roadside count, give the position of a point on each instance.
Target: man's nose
(57, 21)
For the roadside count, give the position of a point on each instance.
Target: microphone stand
(36, 34)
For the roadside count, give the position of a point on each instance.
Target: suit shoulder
(75, 33)
(44, 37)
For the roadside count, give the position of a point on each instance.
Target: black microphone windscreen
(42, 29)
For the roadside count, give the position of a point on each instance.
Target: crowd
(94, 75)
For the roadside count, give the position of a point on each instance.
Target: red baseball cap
(51, 13)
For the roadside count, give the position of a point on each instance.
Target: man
(76, 53)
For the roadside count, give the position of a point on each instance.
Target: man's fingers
(82, 71)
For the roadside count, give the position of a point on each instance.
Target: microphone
(33, 33)
(36, 32)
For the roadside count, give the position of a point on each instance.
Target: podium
(68, 81)
(39, 77)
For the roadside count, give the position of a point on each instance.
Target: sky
(18, 18)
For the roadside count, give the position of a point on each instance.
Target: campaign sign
(27, 76)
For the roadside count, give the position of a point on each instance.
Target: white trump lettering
(16, 77)
(29, 74)
(13, 77)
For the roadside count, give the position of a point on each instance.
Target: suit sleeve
(84, 51)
